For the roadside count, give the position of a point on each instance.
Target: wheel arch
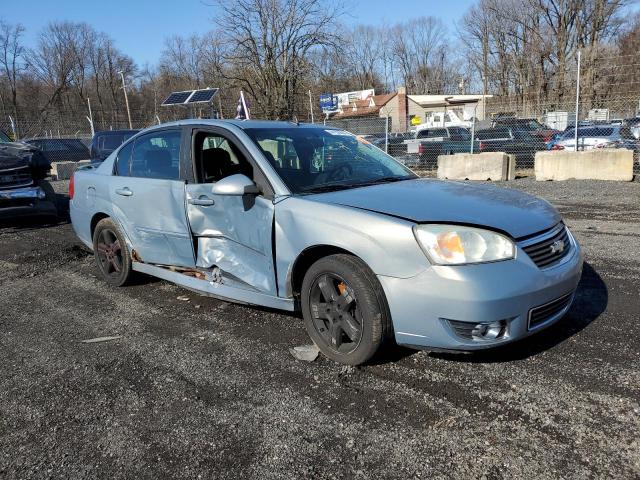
(94, 221)
(308, 257)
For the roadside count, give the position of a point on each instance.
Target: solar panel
(202, 96)
(177, 98)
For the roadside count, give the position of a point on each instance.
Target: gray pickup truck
(428, 143)
(24, 190)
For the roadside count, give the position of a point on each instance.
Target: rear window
(59, 145)
(493, 134)
(590, 132)
(4, 138)
(459, 133)
(110, 142)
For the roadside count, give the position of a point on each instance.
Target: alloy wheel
(109, 252)
(335, 313)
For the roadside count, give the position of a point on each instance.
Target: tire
(112, 254)
(358, 303)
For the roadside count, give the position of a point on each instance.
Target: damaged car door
(229, 215)
(147, 193)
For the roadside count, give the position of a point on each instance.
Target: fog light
(488, 331)
(481, 332)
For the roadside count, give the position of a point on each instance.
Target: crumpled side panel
(242, 263)
(234, 234)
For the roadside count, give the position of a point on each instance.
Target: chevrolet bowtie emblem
(557, 246)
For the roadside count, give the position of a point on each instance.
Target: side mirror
(237, 185)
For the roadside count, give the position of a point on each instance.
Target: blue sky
(139, 27)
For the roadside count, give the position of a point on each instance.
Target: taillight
(71, 187)
(557, 147)
(421, 148)
(482, 146)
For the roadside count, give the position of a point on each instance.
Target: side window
(218, 158)
(157, 155)
(123, 160)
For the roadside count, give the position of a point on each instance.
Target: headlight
(456, 245)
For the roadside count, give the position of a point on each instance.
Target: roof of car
(244, 124)
(116, 132)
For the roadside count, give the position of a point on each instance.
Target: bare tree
(419, 50)
(268, 45)
(12, 58)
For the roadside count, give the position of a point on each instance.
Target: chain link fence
(506, 125)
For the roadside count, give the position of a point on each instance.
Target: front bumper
(422, 306)
(26, 201)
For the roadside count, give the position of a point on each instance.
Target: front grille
(551, 249)
(15, 178)
(539, 315)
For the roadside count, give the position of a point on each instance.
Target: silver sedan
(313, 219)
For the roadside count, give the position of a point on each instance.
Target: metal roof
(244, 124)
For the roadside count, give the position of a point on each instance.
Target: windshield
(311, 160)
(3, 137)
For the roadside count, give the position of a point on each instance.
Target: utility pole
(126, 98)
(90, 117)
(311, 107)
(577, 103)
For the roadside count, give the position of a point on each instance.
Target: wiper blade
(328, 187)
(380, 180)
(331, 187)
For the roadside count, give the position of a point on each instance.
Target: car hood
(15, 155)
(426, 200)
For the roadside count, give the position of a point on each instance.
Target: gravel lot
(200, 388)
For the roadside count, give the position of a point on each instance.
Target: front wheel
(345, 310)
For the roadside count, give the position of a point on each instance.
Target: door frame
(190, 167)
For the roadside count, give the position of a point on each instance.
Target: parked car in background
(312, 218)
(395, 143)
(512, 141)
(103, 143)
(634, 125)
(599, 136)
(428, 143)
(61, 149)
(530, 125)
(24, 190)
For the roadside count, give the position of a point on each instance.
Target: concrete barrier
(64, 170)
(598, 164)
(477, 166)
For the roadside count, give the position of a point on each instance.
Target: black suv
(105, 142)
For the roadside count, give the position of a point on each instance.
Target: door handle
(202, 201)
(125, 192)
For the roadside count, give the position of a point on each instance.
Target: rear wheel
(345, 310)
(111, 252)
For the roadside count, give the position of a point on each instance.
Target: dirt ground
(201, 388)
